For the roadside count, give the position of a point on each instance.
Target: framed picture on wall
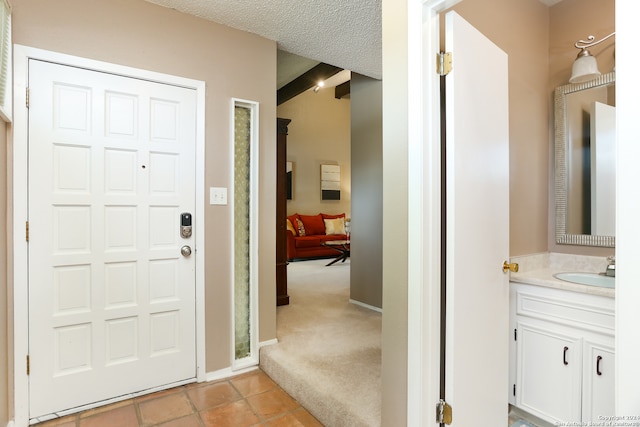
(289, 180)
(330, 182)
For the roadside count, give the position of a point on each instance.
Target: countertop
(539, 270)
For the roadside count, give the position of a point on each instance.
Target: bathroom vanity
(562, 344)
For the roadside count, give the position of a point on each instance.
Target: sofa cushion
(316, 241)
(308, 241)
(313, 224)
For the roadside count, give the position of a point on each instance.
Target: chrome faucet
(611, 267)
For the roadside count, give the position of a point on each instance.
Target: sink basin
(591, 279)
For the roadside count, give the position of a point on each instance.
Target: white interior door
(111, 298)
(477, 227)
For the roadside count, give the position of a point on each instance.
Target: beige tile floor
(252, 399)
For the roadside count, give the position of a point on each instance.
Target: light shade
(585, 68)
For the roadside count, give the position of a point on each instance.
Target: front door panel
(111, 298)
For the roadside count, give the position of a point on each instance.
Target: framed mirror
(585, 162)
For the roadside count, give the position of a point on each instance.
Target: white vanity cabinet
(564, 354)
(598, 379)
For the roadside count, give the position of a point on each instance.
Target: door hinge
(444, 63)
(26, 231)
(27, 98)
(28, 365)
(444, 413)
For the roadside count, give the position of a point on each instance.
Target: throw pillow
(301, 230)
(291, 228)
(334, 226)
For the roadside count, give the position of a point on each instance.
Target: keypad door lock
(185, 225)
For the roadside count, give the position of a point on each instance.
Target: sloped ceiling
(290, 66)
(344, 33)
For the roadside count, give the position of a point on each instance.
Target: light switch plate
(217, 196)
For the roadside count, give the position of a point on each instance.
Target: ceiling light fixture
(585, 67)
(318, 86)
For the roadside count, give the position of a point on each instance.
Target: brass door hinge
(28, 365)
(26, 231)
(27, 98)
(444, 413)
(444, 63)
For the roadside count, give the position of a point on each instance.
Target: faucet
(611, 267)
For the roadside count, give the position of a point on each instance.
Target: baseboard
(361, 304)
(229, 372)
(223, 374)
(269, 342)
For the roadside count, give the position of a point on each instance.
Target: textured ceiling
(344, 33)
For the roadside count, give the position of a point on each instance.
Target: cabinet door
(599, 382)
(549, 378)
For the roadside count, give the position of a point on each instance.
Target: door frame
(424, 210)
(22, 55)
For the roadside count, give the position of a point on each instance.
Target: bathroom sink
(591, 279)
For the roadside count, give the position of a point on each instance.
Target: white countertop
(539, 269)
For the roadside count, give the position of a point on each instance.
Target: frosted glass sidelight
(241, 219)
(244, 201)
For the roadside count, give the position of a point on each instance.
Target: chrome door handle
(185, 251)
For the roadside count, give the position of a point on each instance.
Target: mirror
(585, 162)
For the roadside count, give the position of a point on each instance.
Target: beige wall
(366, 183)
(597, 19)
(319, 133)
(233, 64)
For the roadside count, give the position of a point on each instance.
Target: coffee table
(341, 246)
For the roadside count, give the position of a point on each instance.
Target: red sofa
(305, 234)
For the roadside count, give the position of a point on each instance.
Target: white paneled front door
(111, 297)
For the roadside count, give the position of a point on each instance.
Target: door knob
(510, 267)
(185, 251)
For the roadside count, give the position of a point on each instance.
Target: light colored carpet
(329, 352)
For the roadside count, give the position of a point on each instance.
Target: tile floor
(251, 399)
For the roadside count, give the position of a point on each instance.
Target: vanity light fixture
(585, 67)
